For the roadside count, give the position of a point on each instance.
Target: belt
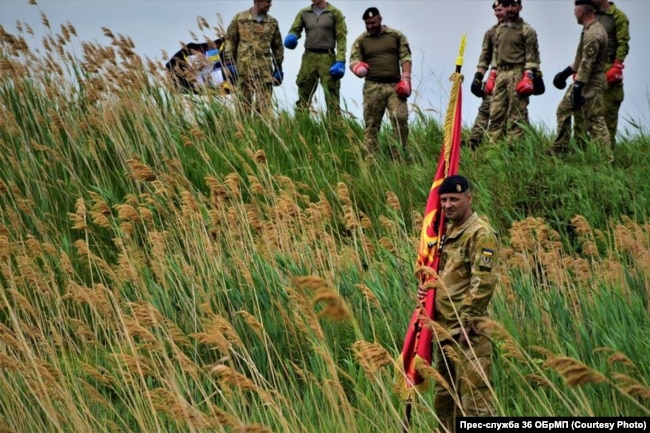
(383, 80)
(509, 67)
(320, 50)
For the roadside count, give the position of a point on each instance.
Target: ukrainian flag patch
(486, 258)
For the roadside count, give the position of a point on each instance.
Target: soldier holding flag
(467, 272)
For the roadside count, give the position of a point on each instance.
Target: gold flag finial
(461, 50)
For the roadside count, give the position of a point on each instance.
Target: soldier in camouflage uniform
(325, 51)
(382, 56)
(479, 89)
(585, 95)
(517, 61)
(467, 272)
(617, 27)
(254, 45)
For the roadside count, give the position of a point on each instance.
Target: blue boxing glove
(337, 70)
(291, 41)
(278, 76)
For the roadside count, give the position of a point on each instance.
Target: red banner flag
(418, 347)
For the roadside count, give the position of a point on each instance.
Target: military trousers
(612, 99)
(255, 93)
(315, 68)
(591, 113)
(480, 123)
(508, 109)
(467, 373)
(377, 99)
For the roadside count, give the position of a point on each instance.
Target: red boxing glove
(360, 69)
(615, 74)
(525, 86)
(491, 82)
(403, 88)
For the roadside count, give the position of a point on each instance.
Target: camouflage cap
(370, 13)
(453, 185)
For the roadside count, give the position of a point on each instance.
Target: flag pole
(418, 343)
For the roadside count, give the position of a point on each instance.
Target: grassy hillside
(168, 264)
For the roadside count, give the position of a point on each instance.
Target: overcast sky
(434, 29)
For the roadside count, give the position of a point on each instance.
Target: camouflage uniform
(467, 261)
(485, 60)
(589, 65)
(323, 32)
(256, 49)
(617, 27)
(517, 49)
(384, 53)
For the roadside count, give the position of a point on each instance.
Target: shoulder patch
(486, 258)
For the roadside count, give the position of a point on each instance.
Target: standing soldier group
(510, 53)
(381, 55)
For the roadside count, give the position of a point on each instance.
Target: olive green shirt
(467, 272)
(617, 27)
(517, 45)
(384, 54)
(325, 31)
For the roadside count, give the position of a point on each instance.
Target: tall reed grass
(171, 264)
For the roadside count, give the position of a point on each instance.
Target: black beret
(586, 2)
(453, 185)
(495, 4)
(370, 13)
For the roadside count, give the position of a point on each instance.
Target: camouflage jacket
(617, 27)
(517, 44)
(591, 57)
(466, 270)
(255, 47)
(487, 50)
(324, 31)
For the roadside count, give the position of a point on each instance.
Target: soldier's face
(578, 12)
(512, 10)
(500, 13)
(263, 6)
(373, 25)
(456, 206)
